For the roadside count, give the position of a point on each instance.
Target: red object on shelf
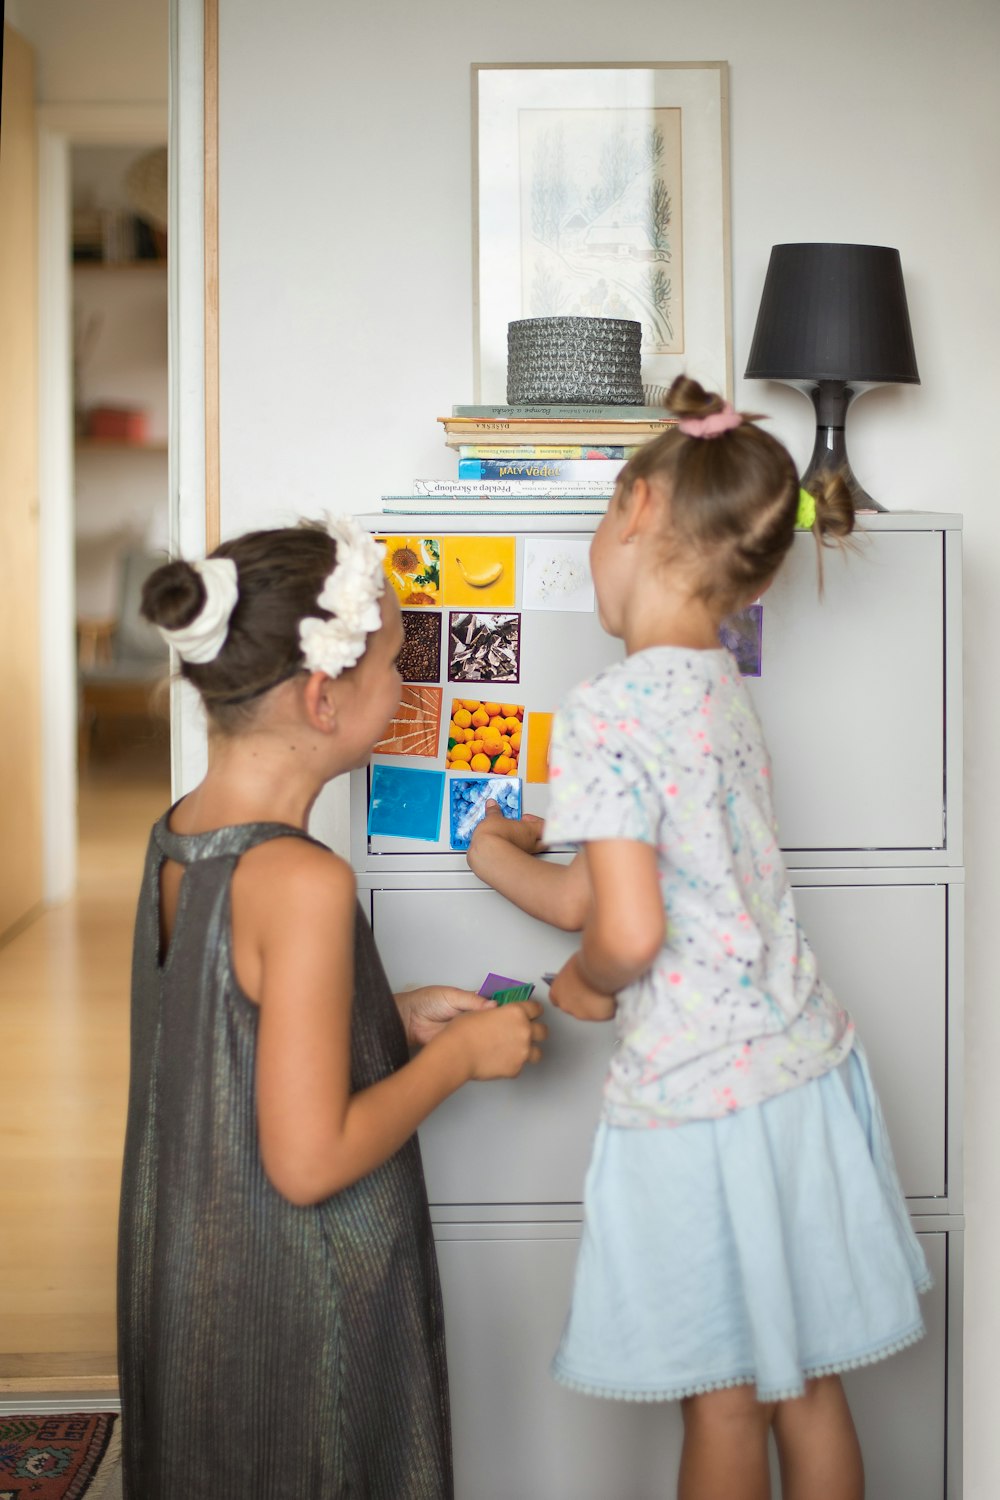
(122, 424)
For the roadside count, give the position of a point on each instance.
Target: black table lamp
(833, 322)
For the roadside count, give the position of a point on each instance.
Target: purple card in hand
(494, 982)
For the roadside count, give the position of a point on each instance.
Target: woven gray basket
(578, 361)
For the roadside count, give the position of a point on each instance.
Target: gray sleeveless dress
(264, 1350)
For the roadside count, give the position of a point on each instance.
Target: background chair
(121, 661)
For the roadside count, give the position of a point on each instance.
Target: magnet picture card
(467, 799)
(539, 735)
(413, 567)
(415, 727)
(513, 994)
(557, 574)
(483, 647)
(499, 982)
(419, 659)
(479, 572)
(484, 735)
(742, 634)
(405, 803)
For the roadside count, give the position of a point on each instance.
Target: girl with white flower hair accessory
(280, 1322)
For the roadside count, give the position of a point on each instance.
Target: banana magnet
(483, 579)
(478, 571)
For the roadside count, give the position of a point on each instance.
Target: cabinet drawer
(520, 1140)
(517, 1433)
(852, 695)
(859, 696)
(882, 948)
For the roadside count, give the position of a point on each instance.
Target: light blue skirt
(765, 1248)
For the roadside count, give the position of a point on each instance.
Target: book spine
(531, 430)
(544, 450)
(597, 470)
(449, 487)
(453, 441)
(564, 413)
(500, 505)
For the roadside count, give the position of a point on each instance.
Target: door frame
(194, 328)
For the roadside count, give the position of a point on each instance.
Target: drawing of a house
(573, 230)
(623, 230)
(622, 241)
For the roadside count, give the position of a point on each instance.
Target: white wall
(346, 306)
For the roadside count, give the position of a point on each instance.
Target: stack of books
(520, 459)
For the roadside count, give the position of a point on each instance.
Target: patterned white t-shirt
(665, 748)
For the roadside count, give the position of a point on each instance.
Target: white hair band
(203, 638)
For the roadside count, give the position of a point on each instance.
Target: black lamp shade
(833, 312)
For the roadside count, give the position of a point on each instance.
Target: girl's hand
(524, 833)
(570, 992)
(425, 1012)
(497, 1044)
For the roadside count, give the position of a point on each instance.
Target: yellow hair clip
(805, 516)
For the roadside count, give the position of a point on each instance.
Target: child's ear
(639, 511)
(320, 702)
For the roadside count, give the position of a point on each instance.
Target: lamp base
(831, 399)
(830, 456)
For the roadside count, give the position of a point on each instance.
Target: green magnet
(516, 992)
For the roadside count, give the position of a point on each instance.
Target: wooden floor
(64, 989)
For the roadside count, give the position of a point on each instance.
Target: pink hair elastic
(712, 426)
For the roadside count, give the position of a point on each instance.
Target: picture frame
(603, 190)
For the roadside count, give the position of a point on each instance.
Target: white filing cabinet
(860, 696)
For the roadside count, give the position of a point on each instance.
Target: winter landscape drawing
(601, 214)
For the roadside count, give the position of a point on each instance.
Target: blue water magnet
(406, 803)
(468, 798)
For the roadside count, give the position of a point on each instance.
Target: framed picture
(603, 191)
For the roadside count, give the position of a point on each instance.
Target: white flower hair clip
(203, 638)
(351, 594)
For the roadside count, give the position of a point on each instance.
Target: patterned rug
(62, 1457)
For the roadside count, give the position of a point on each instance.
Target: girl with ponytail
(745, 1236)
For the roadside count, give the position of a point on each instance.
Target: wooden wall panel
(20, 666)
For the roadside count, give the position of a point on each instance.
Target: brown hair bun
(173, 596)
(835, 513)
(281, 573)
(686, 398)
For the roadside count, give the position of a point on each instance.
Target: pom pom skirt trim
(768, 1247)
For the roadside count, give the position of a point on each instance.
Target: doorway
(64, 980)
(75, 136)
(120, 484)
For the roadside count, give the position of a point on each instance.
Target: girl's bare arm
(504, 854)
(626, 924)
(623, 932)
(316, 1136)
